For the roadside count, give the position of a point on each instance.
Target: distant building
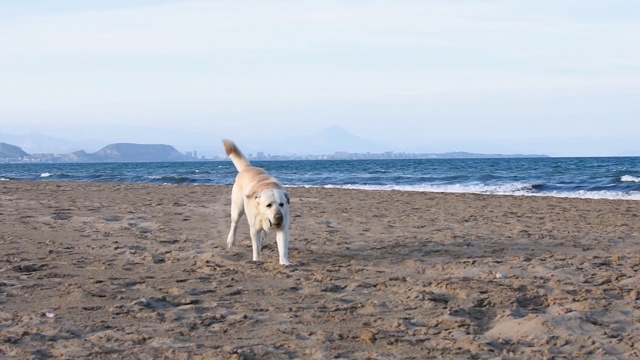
(191, 155)
(342, 155)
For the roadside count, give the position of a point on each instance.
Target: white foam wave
(46, 175)
(505, 189)
(514, 189)
(3, 179)
(629, 178)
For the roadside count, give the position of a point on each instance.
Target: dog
(265, 202)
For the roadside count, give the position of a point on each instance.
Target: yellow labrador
(263, 199)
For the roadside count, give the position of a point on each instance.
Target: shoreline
(375, 188)
(113, 269)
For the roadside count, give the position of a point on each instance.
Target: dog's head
(273, 204)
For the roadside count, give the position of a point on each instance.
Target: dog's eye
(281, 204)
(269, 205)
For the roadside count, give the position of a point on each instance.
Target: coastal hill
(8, 151)
(124, 152)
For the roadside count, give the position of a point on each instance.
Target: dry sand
(109, 271)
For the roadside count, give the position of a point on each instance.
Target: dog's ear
(255, 195)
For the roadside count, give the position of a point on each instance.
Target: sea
(586, 177)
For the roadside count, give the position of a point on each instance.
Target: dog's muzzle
(278, 218)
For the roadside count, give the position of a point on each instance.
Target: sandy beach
(111, 271)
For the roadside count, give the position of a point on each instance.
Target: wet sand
(110, 271)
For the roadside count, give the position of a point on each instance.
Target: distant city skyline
(552, 77)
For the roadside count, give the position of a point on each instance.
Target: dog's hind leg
(232, 233)
(236, 214)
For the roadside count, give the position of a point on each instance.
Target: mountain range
(327, 141)
(330, 141)
(122, 152)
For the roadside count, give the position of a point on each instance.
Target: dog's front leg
(256, 243)
(282, 238)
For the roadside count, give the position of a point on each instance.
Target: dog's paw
(287, 263)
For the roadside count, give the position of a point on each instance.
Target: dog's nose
(277, 218)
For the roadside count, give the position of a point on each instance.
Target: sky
(555, 77)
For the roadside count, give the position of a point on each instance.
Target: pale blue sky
(557, 77)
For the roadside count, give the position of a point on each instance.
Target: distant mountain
(8, 151)
(36, 143)
(125, 152)
(327, 141)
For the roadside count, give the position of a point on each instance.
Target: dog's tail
(239, 160)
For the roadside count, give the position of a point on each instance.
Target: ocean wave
(501, 189)
(513, 189)
(46, 175)
(3, 179)
(171, 179)
(630, 178)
